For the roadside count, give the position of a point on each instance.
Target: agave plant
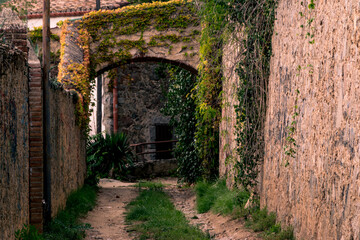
(109, 153)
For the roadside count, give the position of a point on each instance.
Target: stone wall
(141, 95)
(228, 145)
(14, 142)
(318, 192)
(66, 149)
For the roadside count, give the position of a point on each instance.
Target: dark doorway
(163, 133)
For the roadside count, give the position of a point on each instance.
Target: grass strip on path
(154, 216)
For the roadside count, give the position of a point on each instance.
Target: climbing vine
(108, 31)
(290, 146)
(104, 25)
(77, 76)
(257, 19)
(308, 17)
(180, 106)
(219, 19)
(209, 86)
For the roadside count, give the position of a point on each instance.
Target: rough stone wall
(228, 145)
(66, 149)
(318, 192)
(14, 142)
(141, 95)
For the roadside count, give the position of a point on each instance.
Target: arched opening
(149, 60)
(132, 97)
(169, 34)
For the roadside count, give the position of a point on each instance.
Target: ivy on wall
(180, 106)
(100, 28)
(104, 25)
(219, 19)
(257, 18)
(209, 86)
(77, 76)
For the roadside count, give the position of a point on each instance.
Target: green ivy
(100, 29)
(35, 35)
(209, 86)
(180, 106)
(257, 19)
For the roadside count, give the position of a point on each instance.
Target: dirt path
(108, 217)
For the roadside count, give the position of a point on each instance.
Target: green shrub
(287, 234)
(219, 198)
(111, 152)
(28, 232)
(261, 220)
(180, 106)
(66, 224)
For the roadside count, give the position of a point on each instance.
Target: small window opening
(163, 133)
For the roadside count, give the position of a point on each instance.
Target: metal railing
(142, 149)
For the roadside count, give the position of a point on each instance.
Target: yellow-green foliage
(102, 27)
(77, 76)
(35, 35)
(209, 87)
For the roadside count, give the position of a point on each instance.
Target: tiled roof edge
(70, 14)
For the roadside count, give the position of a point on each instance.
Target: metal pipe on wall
(115, 102)
(98, 104)
(46, 111)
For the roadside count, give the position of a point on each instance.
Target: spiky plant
(104, 154)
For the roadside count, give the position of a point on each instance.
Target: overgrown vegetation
(28, 232)
(218, 198)
(209, 86)
(107, 153)
(257, 20)
(66, 225)
(101, 27)
(180, 106)
(153, 216)
(35, 35)
(19, 6)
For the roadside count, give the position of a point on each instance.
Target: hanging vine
(209, 86)
(257, 18)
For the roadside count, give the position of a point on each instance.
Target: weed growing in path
(149, 185)
(159, 218)
(219, 199)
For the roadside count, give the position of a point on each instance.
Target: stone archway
(159, 31)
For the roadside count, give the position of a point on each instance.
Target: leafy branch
(291, 145)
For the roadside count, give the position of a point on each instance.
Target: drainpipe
(99, 104)
(46, 109)
(99, 93)
(115, 102)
